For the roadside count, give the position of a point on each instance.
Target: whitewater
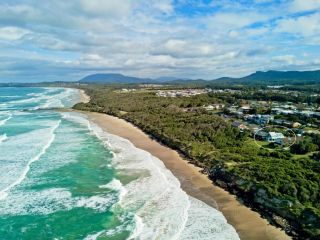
(63, 177)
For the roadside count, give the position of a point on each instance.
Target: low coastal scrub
(286, 189)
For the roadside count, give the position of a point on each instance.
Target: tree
(304, 146)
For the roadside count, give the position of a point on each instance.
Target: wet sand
(248, 224)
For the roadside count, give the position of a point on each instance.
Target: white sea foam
(138, 228)
(52, 200)
(127, 224)
(162, 209)
(60, 100)
(115, 184)
(3, 121)
(94, 236)
(23, 101)
(3, 138)
(3, 192)
(44, 100)
(37, 202)
(9, 96)
(99, 203)
(206, 223)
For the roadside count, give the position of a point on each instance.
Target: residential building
(216, 106)
(276, 137)
(245, 109)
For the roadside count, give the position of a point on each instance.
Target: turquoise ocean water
(62, 177)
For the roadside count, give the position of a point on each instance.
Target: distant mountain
(257, 78)
(304, 76)
(167, 79)
(275, 77)
(113, 78)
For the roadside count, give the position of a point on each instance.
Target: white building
(276, 137)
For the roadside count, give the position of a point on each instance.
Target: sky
(59, 40)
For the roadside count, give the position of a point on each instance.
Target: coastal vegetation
(283, 185)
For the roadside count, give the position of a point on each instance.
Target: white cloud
(149, 38)
(12, 33)
(304, 5)
(228, 21)
(106, 9)
(162, 6)
(179, 48)
(305, 25)
(287, 59)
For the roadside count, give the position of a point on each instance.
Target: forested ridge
(283, 187)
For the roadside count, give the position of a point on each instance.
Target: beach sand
(248, 224)
(84, 97)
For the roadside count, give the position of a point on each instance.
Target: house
(275, 137)
(278, 121)
(260, 119)
(278, 110)
(215, 106)
(289, 106)
(209, 108)
(265, 119)
(245, 109)
(239, 125)
(306, 113)
(287, 112)
(218, 106)
(286, 123)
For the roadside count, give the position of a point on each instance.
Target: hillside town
(300, 120)
(253, 115)
(182, 92)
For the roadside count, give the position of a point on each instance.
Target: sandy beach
(248, 224)
(84, 97)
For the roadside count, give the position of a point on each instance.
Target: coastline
(248, 224)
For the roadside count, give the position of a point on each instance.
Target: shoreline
(248, 223)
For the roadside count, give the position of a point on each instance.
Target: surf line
(3, 192)
(3, 122)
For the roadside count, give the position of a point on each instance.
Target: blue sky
(66, 40)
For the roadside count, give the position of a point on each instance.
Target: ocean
(62, 177)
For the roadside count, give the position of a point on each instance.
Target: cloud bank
(66, 40)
